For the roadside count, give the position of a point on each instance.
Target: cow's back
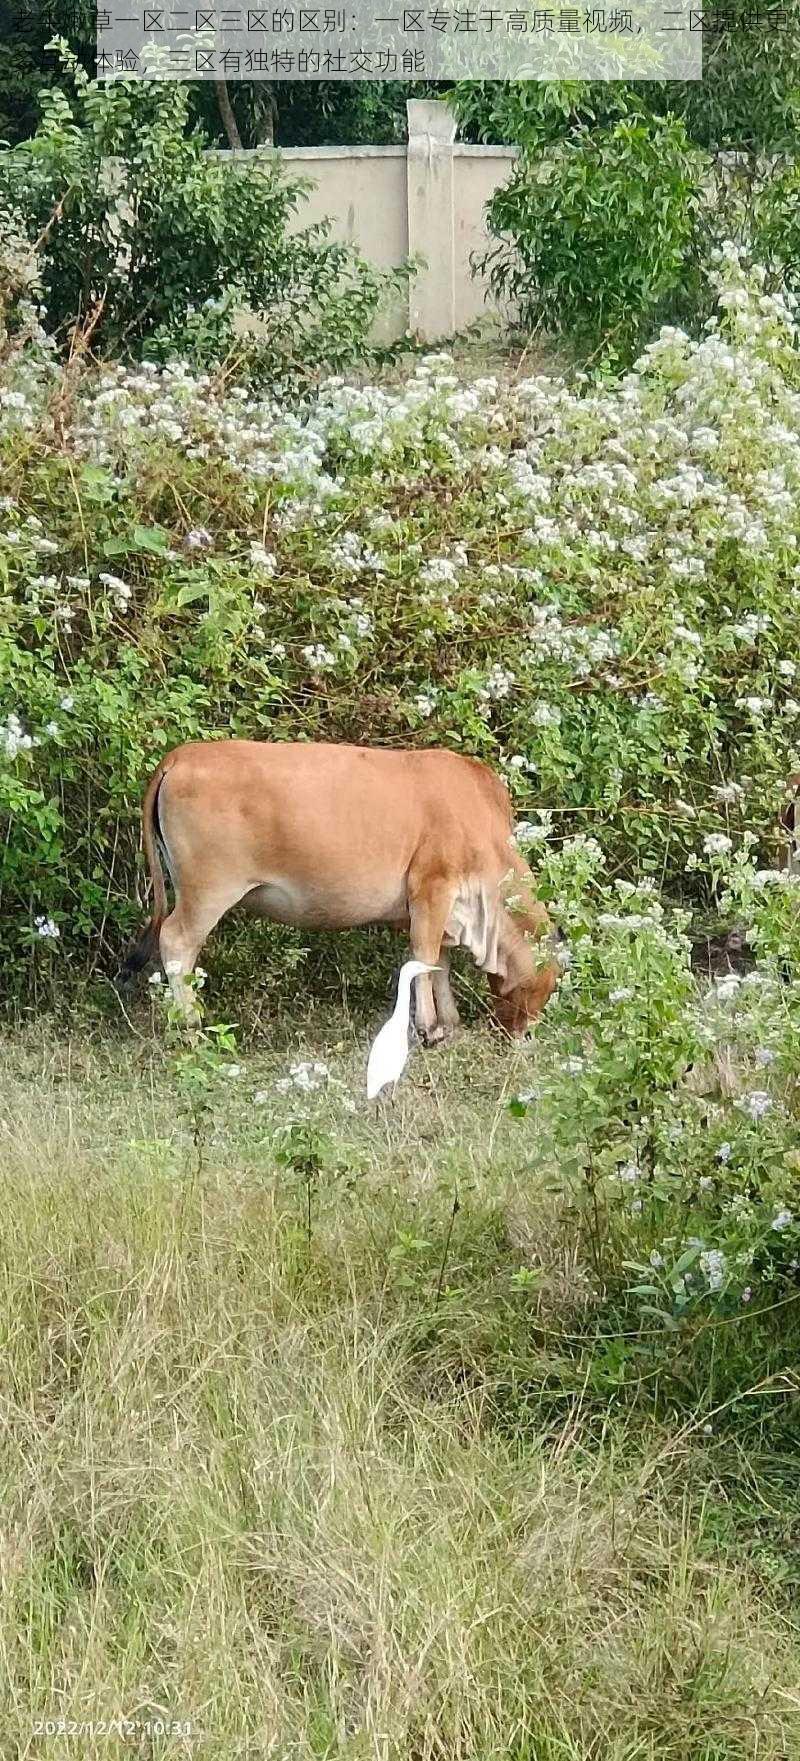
(329, 833)
(327, 789)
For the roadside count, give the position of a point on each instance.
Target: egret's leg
(430, 901)
(382, 1112)
(381, 1103)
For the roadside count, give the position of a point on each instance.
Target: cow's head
(527, 976)
(515, 1006)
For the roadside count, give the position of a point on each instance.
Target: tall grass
(264, 1481)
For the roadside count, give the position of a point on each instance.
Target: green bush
(593, 589)
(666, 1113)
(777, 228)
(749, 103)
(149, 244)
(600, 237)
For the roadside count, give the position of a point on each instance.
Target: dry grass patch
(229, 1495)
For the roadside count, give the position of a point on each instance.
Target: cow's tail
(146, 948)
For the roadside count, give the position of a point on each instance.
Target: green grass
(319, 1496)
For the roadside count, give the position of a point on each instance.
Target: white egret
(389, 1051)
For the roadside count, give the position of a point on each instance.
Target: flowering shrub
(593, 588)
(670, 1114)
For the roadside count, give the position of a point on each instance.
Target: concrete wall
(362, 191)
(478, 172)
(427, 199)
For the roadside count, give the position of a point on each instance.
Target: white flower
(425, 705)
(13, 737)
(724, 1152)
(622, 994)
(713, 1264)
(717, 844)
(438, 571)
(573, 1066)
(46, 928)
(306, 1076)
(656, 1260)
(757, 1104)
(155, 978)
(628, 1173)
(66, 703)
(319, 657)
(764, 1056)
(527, 832)
(752, 625)
(782, 1220)
(120, 592)
(498, 683)
(233, 1070)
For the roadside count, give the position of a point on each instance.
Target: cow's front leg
(429, 909)
(447, 1016)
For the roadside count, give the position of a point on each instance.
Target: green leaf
(152, 538)
(686, 1260)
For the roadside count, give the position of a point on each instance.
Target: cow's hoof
(433, 1037)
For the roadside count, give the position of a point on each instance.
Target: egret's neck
(403, 1003)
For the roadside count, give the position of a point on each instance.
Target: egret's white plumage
(389, 1051)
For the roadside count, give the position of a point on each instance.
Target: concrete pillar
(431, 224)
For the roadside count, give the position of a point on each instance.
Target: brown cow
(789, 856)
(331, 837)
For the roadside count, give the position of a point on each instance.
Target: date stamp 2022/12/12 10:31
(58, 1725)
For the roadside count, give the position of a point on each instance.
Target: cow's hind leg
(182, 936)
(429, 908)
